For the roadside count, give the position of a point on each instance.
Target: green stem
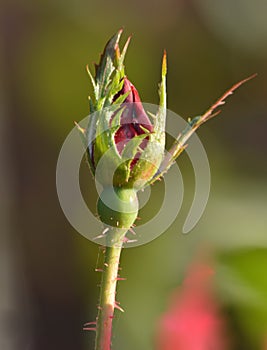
(117, 206)
(107, 296)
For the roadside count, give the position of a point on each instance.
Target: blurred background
(47, 278)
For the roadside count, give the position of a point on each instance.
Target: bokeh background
(48, 284)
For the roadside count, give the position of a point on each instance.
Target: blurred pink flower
(192, 321)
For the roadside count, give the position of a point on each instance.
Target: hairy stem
(107, 297)
(117, 206)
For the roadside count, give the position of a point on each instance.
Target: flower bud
(124, 148)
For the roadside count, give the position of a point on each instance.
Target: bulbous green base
(118, 207)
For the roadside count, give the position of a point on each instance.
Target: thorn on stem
(127, 240)
(85, 328)
(132, 231)
(98, 237)
(90, 323)
(116, 306)
(89, 329)
(105, 230)
(121, 279)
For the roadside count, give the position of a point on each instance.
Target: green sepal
(95, 86)
(129, 152)
(104, 134)
(109, 73)
(82, 134)
(121, 98)
(147, 166)
(106, 61)
(115, 86)
(160, 120)
(177, 148)
(105, 146)
(116, 121)
(131, 147)
(121, 57)
(91, 105)
(90, 139)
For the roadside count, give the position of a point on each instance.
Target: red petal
(125, 133)
(133, 117)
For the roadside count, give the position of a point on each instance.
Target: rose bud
(124, 148)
